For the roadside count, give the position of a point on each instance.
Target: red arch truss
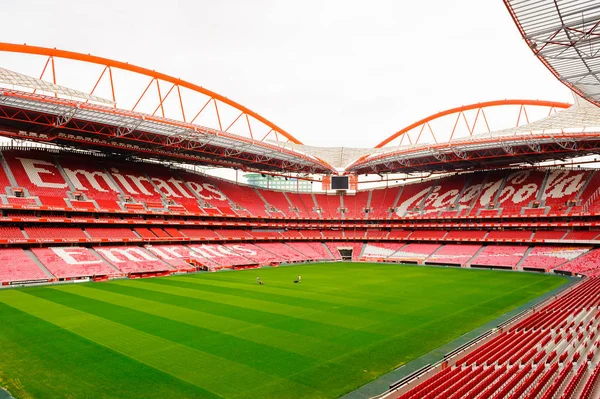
(226, 113)
(479, 119)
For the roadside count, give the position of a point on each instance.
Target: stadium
(458, 258)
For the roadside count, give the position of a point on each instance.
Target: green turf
(221, 335)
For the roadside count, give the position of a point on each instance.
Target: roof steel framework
(565, 36)
(155, 133)
(503, 147)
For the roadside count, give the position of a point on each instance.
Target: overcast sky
(330, 72)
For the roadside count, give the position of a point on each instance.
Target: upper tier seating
(411, 199)
(500, 255)
(520, 189)
(304, 204)
(563, 186)
(93, 180)
(4, 182)
(382, 200)
(132, 259)
(173, 188)
(53, 179)
(69, 262)
(444, 194)
(15, 265)
(588, 198)
(39, 175)
(133, 182)
(454, 254)
(355, 205)
(244, 196)
(475, 189)
(329, 204)
(280, 206)
(22, 201)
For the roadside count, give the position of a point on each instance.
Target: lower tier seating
(554, 352)
(588, 264)
(16, 265)
(132, 259)
(500, 255)
(71, 262)
(414, 252)
(454, 254)
(312, 250)
(177, 256)
(283, 251)
(547, 258)
(340, 249)
(380, 250)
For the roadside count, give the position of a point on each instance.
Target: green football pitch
(221, 335)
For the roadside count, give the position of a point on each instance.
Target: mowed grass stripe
(217, 344)
(338, 338)
(492, 302)
(40, 360)
(220, 376)
(274, 291)
(359, 284)
(221, 319)
(336, 321)
(277, 304)
(296, 351)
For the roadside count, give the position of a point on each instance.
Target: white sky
(332, 73)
